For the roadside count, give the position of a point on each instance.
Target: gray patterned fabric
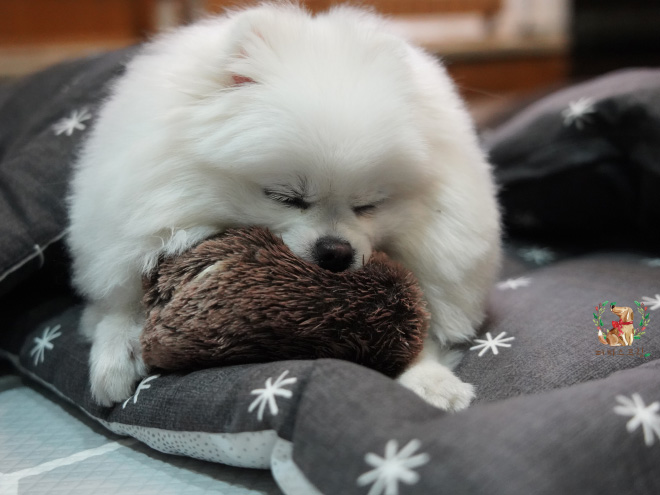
(42, 121)
(550, 311)
(582, 159)
(557, 411)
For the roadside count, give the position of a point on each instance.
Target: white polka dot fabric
(251, 449)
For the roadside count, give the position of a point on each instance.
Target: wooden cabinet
(25, 22)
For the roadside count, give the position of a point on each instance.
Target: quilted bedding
(557, 411)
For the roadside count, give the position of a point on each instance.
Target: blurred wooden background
(485, 58)
(42, 21)
(397, 6)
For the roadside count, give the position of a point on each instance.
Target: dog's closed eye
(290, 201)
(364, 209)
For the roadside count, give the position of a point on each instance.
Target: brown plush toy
(244, 297)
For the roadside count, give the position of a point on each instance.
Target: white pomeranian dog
(329, 130)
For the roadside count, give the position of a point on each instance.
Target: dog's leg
(115, 359)
(451, 322)
(455, 268)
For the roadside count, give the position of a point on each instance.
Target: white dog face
(331, 227)
(330, 209)
(329, 220)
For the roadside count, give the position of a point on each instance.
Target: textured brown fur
(244, 297)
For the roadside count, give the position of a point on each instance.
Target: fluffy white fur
(332, 107)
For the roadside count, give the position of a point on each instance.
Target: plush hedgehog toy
(244, 297)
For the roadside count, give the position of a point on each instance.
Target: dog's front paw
(114, 372)
(438, 386)
(113, 378)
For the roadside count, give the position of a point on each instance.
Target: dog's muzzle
(333, 253)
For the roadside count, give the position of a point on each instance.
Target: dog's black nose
(333, 254)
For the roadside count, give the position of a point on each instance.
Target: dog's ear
(253, 33)
(241, 66)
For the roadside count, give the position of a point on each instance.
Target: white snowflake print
(266, 396)
(579, 113)
(395, 467)
(652, 262)
(44, 342)
(644, 415)
(491, 343)
(537, 255)
(514, 283)
(68, 125)
(653, 303)
(144, 384)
